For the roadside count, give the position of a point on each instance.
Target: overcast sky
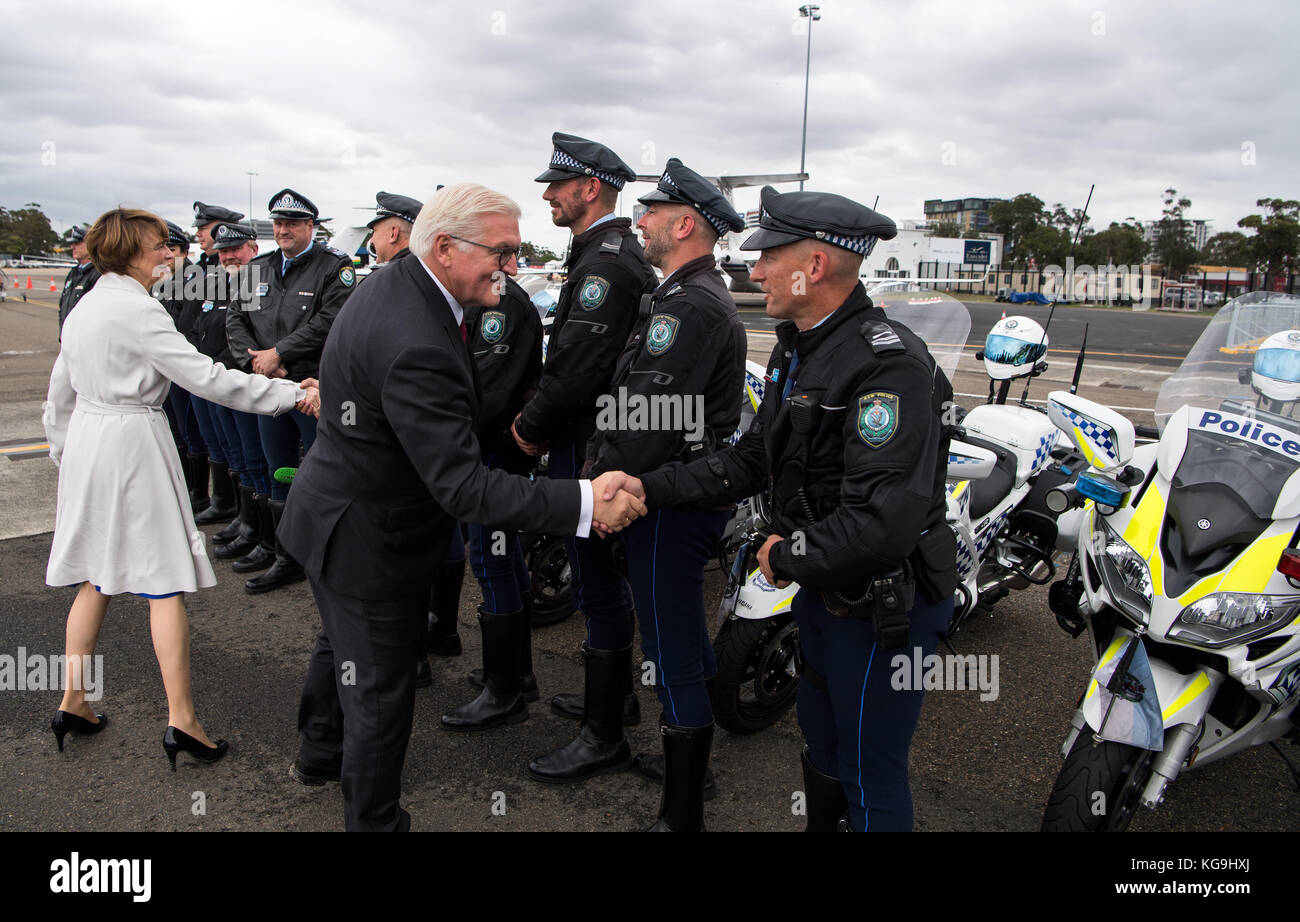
(160, 104)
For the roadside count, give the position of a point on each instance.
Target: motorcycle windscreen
(940, 320)
(1210, 375)
(1133, 715)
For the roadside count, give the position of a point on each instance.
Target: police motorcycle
(1187, 573)
(1001, 463)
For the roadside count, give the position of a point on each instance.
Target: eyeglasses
(503, 254)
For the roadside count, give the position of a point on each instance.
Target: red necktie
(464, 337)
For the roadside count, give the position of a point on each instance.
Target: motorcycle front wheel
(757, 679)
(551, 578)
(1099, 787)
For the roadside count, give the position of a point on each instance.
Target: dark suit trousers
(358, 701)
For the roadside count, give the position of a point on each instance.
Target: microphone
(285, 474)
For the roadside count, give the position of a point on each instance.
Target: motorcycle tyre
(552, 596)
(1118, 771)
(738, 644)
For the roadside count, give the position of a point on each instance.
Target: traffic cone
(29, 282)
(15, 281)
(53, 287)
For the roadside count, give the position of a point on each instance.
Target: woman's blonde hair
(118, 236)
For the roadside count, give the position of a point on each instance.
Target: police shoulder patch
(662, 333)
(347, 276)
(492, 326)
(592, 292)
(877, 418)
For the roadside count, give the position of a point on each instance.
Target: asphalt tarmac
(975, 764)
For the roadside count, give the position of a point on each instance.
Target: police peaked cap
(391, 205)
(231, 235)
(77, 234)
(176, 234)
(785, 218)
(683, 186)
(292, 206)
(574, 157)
(206, 214)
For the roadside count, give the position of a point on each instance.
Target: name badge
(263, 288)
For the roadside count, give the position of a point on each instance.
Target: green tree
(26, 230)
(1230, 248)
(1119, 245)
(945, 229)
(1276, 243)
(972, 234)
(1015, 220)
(535, 254)
(1045, 244)
(1173, 246)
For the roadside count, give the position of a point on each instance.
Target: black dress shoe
(312, 778)
(175, 741)
(66, 722)
(423, 674)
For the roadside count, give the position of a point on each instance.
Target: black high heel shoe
(66, 722)
(175, 741)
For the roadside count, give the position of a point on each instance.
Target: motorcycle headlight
(1125, 573)
(1225, 618)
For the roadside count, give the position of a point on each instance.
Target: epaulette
(881, 337)
(612, 243)
(337, 252)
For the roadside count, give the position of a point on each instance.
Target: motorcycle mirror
(1105, 438)
(1243, 375)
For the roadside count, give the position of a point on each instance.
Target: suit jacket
(396, 462)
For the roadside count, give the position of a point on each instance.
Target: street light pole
(251, 174)
(811, 12)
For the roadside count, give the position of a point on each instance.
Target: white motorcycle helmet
(1013, 347)
(1276, 373)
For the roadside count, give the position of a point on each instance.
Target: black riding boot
(573, 704)
(263, 553)
(600, 746)
(686, 758)
(500, 701)
(198, 482)
(651, 764)
(224, 505)
(444, 607)
(285, 570)
(231, 531)
(527, 678)
(823, 797)
(249, 532)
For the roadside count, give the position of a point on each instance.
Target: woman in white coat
(124, 522)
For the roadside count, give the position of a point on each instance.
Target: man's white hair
(458, 210)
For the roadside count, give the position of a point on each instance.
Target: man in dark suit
(395, 465)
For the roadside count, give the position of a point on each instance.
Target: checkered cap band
(718, 224)
(562, 161)
(287, 202)
(860, 245)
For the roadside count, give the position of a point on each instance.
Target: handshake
(618, 499)
(310, 404)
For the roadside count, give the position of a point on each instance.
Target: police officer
(236, 247)
(390, 228)
(687, 357)
(192, 442)
(206, 218)
(607, 275)
(81, 277)
(850, 448)
(506, 344)
(299, 289)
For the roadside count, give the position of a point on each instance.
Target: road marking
(24, 450)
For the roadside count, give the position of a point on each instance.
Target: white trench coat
(124, 521)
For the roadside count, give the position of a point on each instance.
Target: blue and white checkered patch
(563, 161)
(965, 559)
(1043, 454)
(1098, 435)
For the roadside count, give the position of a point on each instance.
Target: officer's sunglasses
(503, 254)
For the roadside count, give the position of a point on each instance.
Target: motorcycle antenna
(1083, 219)
(1078, 365)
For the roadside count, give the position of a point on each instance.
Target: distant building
(903, 256)
(1200, 232)
(968, 213)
